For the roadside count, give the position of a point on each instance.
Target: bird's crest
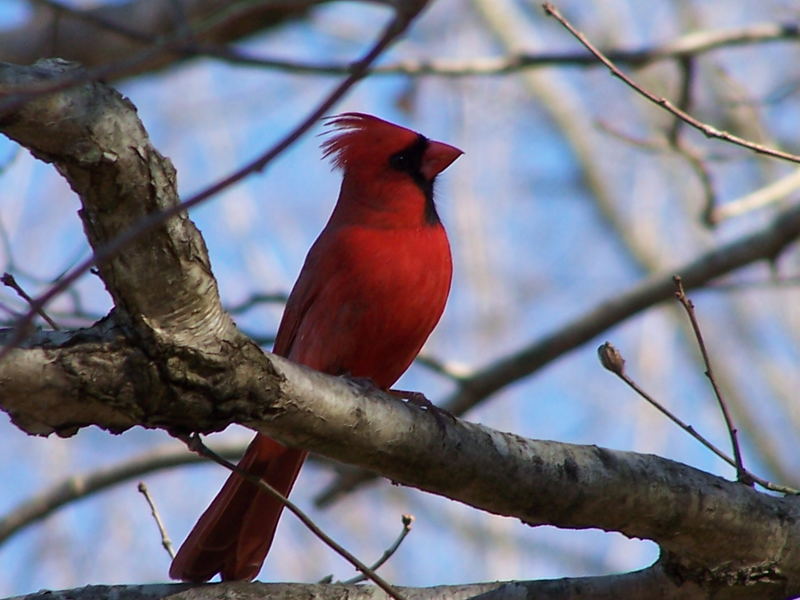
(360, 137)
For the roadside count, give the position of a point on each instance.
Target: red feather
(372, 289)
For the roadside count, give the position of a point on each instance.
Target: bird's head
(387, 167)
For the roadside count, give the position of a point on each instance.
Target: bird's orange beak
(438, 156)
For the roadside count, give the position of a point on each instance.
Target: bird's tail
(233, 536)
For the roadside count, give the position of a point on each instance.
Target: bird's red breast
(378, 276)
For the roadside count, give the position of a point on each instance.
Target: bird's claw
(421, 401)
(364, 384)
(418, 399)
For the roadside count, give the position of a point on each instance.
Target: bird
(371, 290)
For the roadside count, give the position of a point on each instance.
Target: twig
(687, 67)
(691, 44)
(450, 370)
(654, 145)
(774, 282)
(404, 15)
(9, 160)
(698, 165)
(407, 521)
(7, 309)
(255, 300)
(612, 360)
(774, 192)
(8, 280)
(263, 340)
(679, 145)
(35, 508)
(165, 541)
(706, 129)
(680, 295)
(195, 444)
(94, 18)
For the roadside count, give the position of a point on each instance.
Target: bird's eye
(399, 161)
(409, 159)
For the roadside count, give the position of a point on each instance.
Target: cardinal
(371, 290)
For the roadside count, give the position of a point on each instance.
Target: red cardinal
(372, 289)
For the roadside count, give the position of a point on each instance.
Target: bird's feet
(364, 385)
(418, 399)
(421, 401)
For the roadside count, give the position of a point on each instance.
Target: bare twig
(165, 541)
(692, 44)
(407, 520)
(450, 370)
(612, 360)
(195, 443)
(404, 15)
(8, 280)
(9, 160)
(256, 300)
(687, 304)
(653, 145)
(689, 45)
(698, 165)
(760, 198)
(687, 66)
(7, 309)
(75, 487)
(94, 18)
(706, 129)
(772, 282)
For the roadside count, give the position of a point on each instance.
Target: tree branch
(103, 151)
(654, 583)
(763, 244)
(705, 128)
(104, 35)
(692, 44)
(699, 517)
(76, 487)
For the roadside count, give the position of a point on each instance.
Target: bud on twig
(611, 359)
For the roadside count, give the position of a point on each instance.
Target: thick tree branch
(259, 591)
(703, 519)
(765, 244)
(649, 584)
(114, 32)
(162, 283)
